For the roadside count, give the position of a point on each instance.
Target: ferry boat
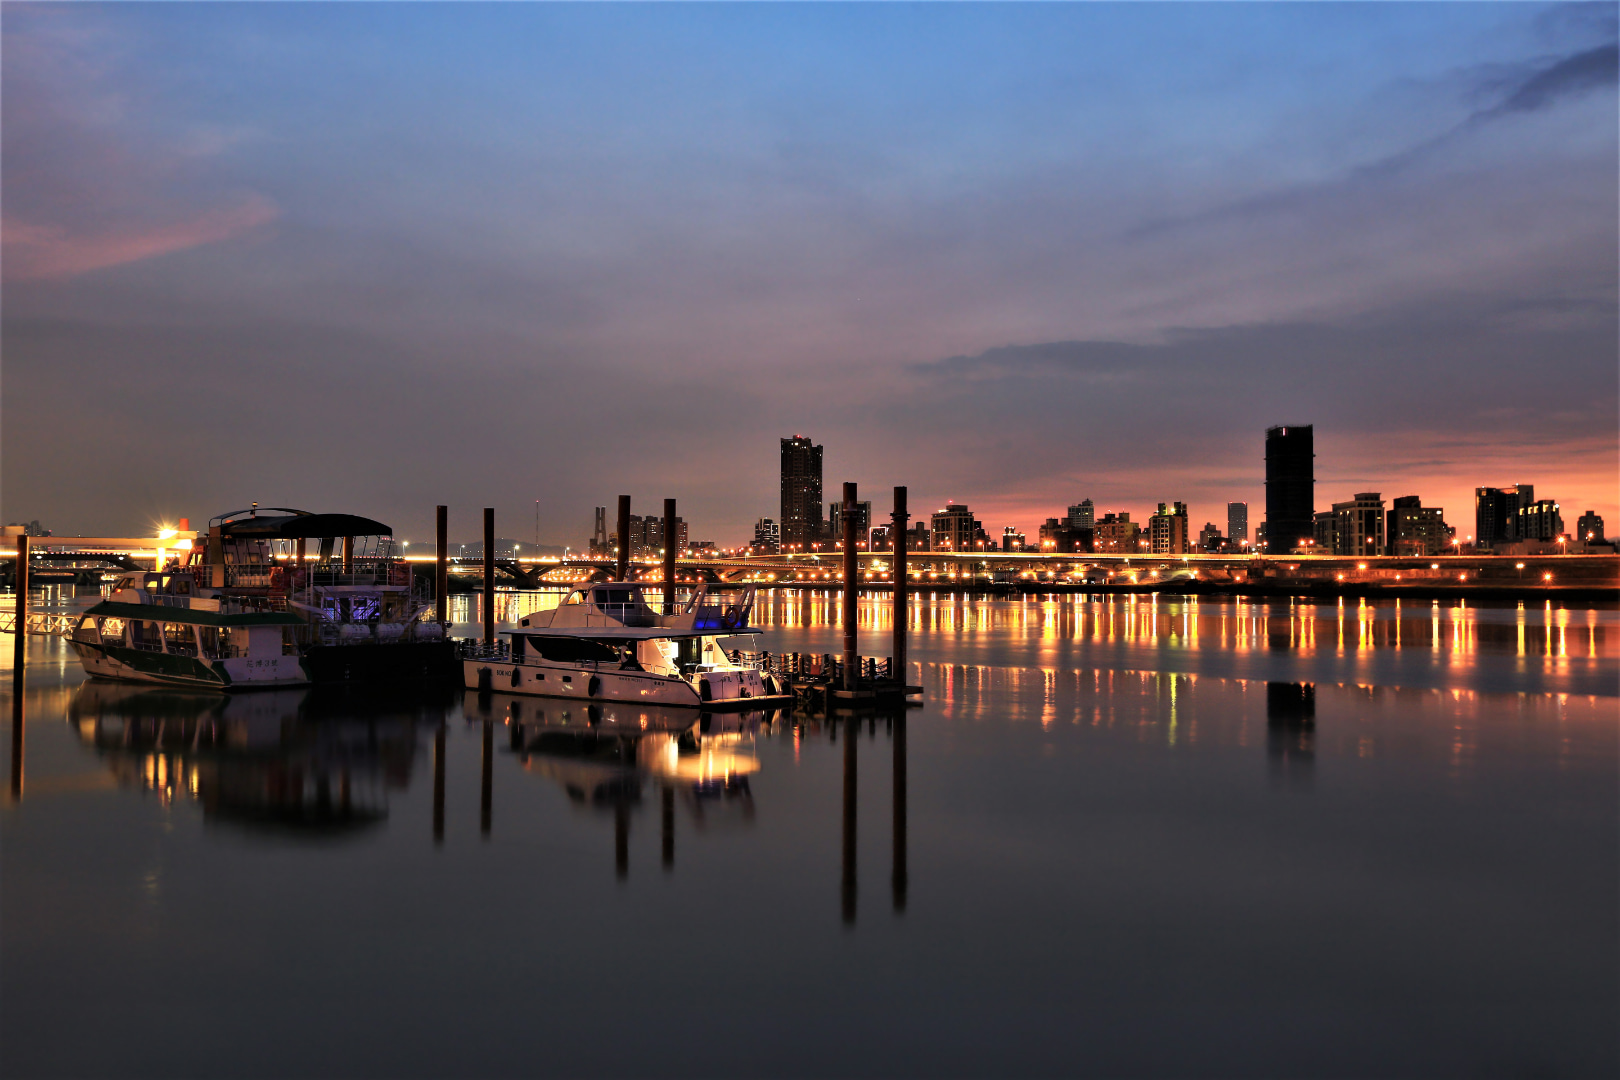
(254, 606)
(145, 634)
(605, 643)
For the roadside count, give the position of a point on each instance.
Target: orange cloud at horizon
(39, 252)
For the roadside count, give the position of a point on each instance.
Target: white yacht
(605, 643)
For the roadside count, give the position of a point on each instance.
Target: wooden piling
(624, 538)
(348, 554)
(902, 584)
(671, 537)
(852, 669)
(489, 575)
(441, 568)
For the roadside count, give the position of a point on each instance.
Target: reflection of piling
(669, 828)
(486, 795)
(438, 786)
(19, 669)
(489, 575)
(897, 532)
(441, 568)
(847, 885)
(621, 837)
(671, 539)
(897, 878)
(1291, 728)
(624, 538)
(852, 666)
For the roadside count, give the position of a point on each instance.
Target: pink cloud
(33, 252)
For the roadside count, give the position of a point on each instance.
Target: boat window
(178, 637)
(575, 598)
(112, 630)
(146, 635)
(86, 631)
(209, 640)
(568, 650)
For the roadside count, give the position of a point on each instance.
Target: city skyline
(1005, 257)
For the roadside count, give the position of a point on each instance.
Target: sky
(372, 258)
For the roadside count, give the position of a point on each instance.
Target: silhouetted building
(1324, 534)
(1414, 529)
(917, 537)
(1358, 526)
(767, 537)
(1589, 528)
(1083, 515)
(1210, 540)
(953, 529)
(647, 537)
(1290, 486)
(800, 521)
(1012, 539)
(1058, 536)
(1539, 520)
(1117, 533)
(1237, 525)
(1496, 513)
(833, 533)
(1167, 530)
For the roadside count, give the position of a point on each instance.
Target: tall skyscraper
(1237, 525)
(1496, 513)
(1290, 487)
(800, 520)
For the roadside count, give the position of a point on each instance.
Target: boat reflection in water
(607, 757)
(305, 761)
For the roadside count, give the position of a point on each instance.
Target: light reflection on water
(1123, 836)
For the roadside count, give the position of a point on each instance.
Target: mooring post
(624, 538)
(348, 554)
(489, 575)
(902, 583)
(441, 568)
(671, 537)
(852, 666)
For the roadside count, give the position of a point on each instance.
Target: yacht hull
(234, 673)
(740, 688)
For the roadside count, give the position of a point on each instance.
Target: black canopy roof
(280, 523)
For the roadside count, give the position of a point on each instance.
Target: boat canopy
(627, 633)
(165, 613)
(282, 523)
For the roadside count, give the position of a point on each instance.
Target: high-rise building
(767, 537)
(1237, 525)
(1083, 515)
(1415, 529)
(599, 535)
(1117, 534)
(1358, 525)
(953, 529)
(1589, 528)
(1496, 512)
(1539, 520)
(1290, 486)
(1167, 530)
(800, 522)
(833, 532)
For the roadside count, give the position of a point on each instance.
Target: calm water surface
(1123, 837)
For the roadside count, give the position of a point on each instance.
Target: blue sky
(376, 257)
